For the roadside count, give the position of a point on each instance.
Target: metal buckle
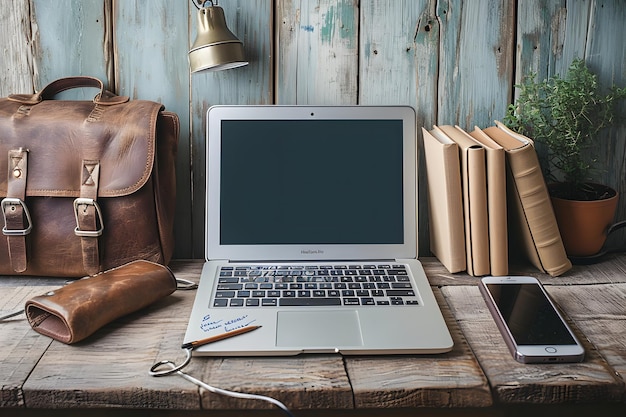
(87, 202)
(9, 201)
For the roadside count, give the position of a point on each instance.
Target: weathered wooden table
(478, 377)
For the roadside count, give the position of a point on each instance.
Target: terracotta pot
(584, 224)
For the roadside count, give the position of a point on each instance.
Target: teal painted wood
(72, 37)
(150, 55)
(388, 59)
(606, 55)
(573, 21)
(476, 63)
(540, 37)
(251, 22)
(16, 56)
(318, 43)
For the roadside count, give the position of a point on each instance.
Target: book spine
(496, 202)
(477, 221)
(537, 209)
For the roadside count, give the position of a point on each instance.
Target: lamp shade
(216, 47)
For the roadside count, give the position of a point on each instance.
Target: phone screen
(529, 316)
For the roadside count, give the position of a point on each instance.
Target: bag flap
(59, 135)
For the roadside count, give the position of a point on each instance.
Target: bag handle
(104, 97)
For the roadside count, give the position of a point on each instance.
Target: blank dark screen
(311, 182)
(529, 316)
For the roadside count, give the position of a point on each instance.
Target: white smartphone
(530, 323)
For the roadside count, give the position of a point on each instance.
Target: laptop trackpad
(328, 329)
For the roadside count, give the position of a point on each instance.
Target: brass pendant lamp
(216, 47)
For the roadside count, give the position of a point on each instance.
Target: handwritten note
(212, 324)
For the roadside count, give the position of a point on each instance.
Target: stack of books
(487, 200)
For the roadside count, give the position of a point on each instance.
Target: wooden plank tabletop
(516, 383)
(110, 368)
(20, 347)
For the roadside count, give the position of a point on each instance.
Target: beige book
(445, 201)
(496, 202)
(474, 184)
(530, 207)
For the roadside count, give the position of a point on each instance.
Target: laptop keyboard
(314, 285)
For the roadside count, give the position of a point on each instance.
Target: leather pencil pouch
(78, 309)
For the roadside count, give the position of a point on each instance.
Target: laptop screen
(311, 182)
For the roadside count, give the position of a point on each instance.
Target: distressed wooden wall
(454, 61)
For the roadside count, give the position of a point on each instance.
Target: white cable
(235, 394)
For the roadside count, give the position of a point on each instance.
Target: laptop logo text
(311, 251)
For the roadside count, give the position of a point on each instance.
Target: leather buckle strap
(83, 204)
(12, 205)
(17, 220)
(89, 222)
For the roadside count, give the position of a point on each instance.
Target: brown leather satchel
(85, 186)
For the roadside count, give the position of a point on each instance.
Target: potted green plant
(564, 116)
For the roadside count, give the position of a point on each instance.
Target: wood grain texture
(598, 311)
(475, 73)
(318, 43)
(72, 38)
(540, 37)
(16, 55)
(20, 346)
(309, 382)
(515, 383)
(390, 67)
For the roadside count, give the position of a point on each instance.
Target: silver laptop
(311, 234)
